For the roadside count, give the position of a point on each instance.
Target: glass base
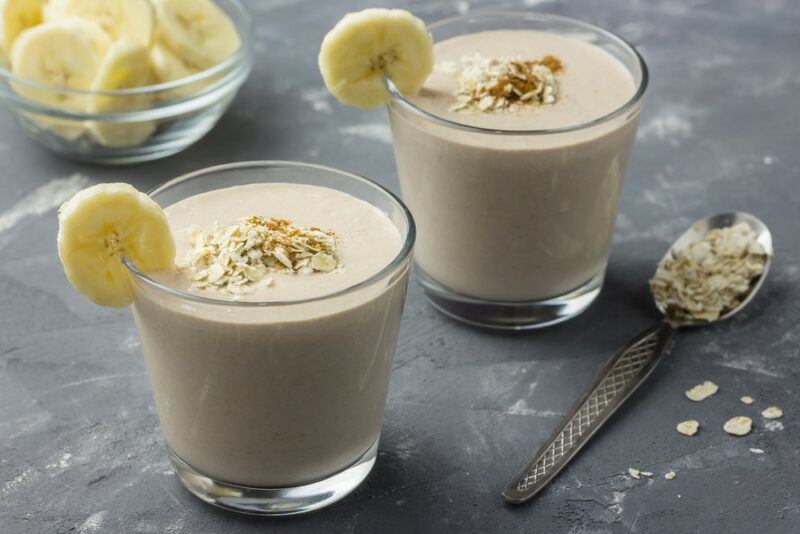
(499, 315)
(275, 501)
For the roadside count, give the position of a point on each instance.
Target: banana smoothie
(268, 297)
(273, 396)
(512, 157)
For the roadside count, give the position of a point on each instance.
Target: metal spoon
(625, 371)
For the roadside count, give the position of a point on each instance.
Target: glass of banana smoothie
(269, 346)
(512, 157)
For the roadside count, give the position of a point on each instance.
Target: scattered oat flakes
(747, 399)
(634, 472)
(688, 428)
(710, 276)
(504, 83)
(646, 473)
(702, 391)
(738, 426)
(757, 451)
(773, 412)
(236, 257)
(670, 475)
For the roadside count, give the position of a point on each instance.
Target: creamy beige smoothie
(274, 395)
(516, 217)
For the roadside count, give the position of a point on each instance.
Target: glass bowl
(152, 122)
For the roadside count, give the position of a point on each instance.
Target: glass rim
(399, 98)
(245, 29)
(402, 255)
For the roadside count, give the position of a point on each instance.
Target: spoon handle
(620, 377)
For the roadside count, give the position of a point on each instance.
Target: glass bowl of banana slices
(121, 81)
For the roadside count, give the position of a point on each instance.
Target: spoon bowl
(696, 232)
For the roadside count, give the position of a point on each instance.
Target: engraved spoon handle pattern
(620, 377)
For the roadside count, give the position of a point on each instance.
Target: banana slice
(15, 17)
(197, 31)
(64, 54)
(169, 67)
(131, 19)
(102, 224)
(365, 47)
(126, 66)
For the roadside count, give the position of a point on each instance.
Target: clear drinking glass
(274, 408)
(551, 196)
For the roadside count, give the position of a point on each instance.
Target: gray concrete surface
(80, 446)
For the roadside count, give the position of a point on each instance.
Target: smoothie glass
(515, 226)
(274, 408)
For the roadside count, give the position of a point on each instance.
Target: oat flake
(738, 426)
(688, 428)
(702, 391)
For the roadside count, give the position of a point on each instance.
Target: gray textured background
(80, 447)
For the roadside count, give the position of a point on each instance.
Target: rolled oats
(234, 258)
(503, 83)
(710, 276)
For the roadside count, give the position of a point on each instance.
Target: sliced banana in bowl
(100, 226)
(65, 54)
(197, 31)
(121, 81)
(126, 66)
(15, 17)
(129, 19)
(169, 68)
(366, 47)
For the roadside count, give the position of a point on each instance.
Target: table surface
(80, 444)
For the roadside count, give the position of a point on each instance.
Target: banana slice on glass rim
(126, 66)
(130, 19)
(197, 31)
(100, 226)
(366, 47)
